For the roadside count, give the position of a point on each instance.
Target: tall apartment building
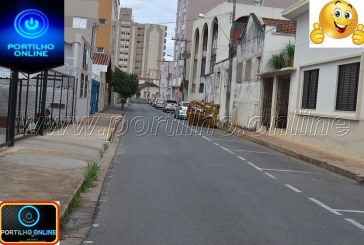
(141, 46)
(188, 11)
(107, 23)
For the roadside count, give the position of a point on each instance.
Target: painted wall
(325, 128)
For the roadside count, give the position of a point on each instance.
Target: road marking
(95, 225)
(216, 144)
(350, 211)
(324, 206)
(293, 188)
(227, 150)
(258, 152)
(225, 140)
(206, 138)
(254, 166)
(109, 176)
(272, 176)
(88, 242)
(288, 170)
(242, 158)
(357, 224)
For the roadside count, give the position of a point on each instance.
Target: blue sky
(161, 12)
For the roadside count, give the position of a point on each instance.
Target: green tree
(283, 59)
(126, 85)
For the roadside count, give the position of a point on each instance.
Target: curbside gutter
(65, 212)
(309, 159)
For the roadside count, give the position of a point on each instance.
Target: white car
(159, 103)
(181, 110)
(170, 105)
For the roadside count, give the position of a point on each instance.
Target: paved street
(173, 186)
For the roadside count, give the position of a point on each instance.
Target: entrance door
(267, 101)
(282, 101)
(94, 102)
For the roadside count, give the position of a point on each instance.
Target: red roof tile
(283, 26)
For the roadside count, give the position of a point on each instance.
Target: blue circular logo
(28, 216)
(31, 23)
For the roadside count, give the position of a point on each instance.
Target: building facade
(326, 107)
(107, 28)
(141, 46)
(189, 10)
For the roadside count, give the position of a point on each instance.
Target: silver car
(159, 103)
(170, 105)
(181, 110)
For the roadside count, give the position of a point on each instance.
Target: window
(248, 70)
(79, 22)
(309, 93)
(203, 67)
(102, 21)
(86, 84)
(202, 88)
(82, 85)
(100, 50)
(239, 71)
(347, 89)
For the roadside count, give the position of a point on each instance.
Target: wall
(327, 129)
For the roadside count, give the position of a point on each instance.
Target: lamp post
(185, 55)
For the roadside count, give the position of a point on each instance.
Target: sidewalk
(344, 166)
(51, 167)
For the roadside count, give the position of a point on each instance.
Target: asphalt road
(176, 186)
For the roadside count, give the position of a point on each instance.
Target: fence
(59, 104)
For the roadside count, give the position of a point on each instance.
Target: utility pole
(148, 86)
(185, 55)
(231, 56)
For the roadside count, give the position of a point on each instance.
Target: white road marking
(109, 176)
(225, 140)
(206, 138)
(288, 170)
(216, 144)
(227, 150)
(350, 211)
(242, 158)
(324, 206)
(258, 152)
(293, 188)
(95, 225)
(272, 176)
(88, 242)
(357, 224)
(254, 166)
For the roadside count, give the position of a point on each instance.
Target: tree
(283, 59)
(126, 85)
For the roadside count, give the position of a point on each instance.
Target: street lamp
(185, 55)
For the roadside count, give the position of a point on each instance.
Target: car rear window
(185, 104)
(171, 101)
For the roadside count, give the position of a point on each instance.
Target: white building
(326, 107)
(209, 63)
(260, 95)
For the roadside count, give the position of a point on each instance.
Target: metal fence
(28, 92)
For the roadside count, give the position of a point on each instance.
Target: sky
(161, 12)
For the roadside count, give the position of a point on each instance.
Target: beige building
(141, 46)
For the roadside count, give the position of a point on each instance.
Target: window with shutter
(309, 93)
(347, 89)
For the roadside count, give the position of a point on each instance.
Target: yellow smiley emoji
(338, 19)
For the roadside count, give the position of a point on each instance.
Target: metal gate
(23, 100)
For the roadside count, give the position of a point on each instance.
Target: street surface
(176, 186)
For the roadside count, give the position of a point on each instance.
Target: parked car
(159, 103)
(170, 105)
(181, 110)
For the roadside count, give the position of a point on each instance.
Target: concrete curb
(312, 160)
(65, 212)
